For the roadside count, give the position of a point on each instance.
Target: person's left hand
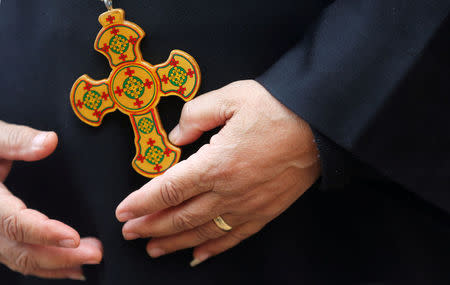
(262, 160)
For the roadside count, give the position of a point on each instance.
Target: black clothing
(369, 76)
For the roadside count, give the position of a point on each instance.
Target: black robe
(371, 77)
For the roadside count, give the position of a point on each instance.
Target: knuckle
(204, 178)
(3, 259)
(209, 172)
(225, 171)
(11, 228)
(227, 108)
(234, 84)
(183, 221)
(25, 263)
(207, 232)
(12, 139)
(189, 116)
(267, 213)
(15, 136)
(171, 194)
(187, 111)
(239, 236)
(214, 140)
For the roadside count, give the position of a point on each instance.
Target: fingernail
(130, 236)
(174, 134)
(125, 216)
(156, 252)
(69, 243)
(76, 276)
(91, 262)
(199, 260)
(38, 140)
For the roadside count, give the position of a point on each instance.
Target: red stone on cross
(138, 103)
(110, 19)
(132, 40)
(129, 72)
(165, 79)
(105, 96)
(114, 31)
(88, 86)
(148, 83)
(181, 90)
(168, 151)
(97, 114)
(123, 57)
(174, 62)
(190, 73)
(105, 48)
(140, 158)
(119, 91)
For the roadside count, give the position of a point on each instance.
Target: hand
(262, 160)
(30, 242)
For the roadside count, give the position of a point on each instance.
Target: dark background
(373, 230)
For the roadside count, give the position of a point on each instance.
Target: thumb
(24, 143)
(202, 114)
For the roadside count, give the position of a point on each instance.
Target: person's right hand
(30, 242)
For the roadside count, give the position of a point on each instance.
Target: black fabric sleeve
(336, 164)
(342, 76)
(340, 167)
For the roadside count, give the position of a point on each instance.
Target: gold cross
(134, 87)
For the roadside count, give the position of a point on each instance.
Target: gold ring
(219, 221)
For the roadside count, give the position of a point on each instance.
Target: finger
(17, 223)
(183, 181)
(5, 167)
(90, 251)
(222, 244)
(31, 258)
(200, 115)
(191, 214)
(75, 273)
(208, 231)
(24, 143)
